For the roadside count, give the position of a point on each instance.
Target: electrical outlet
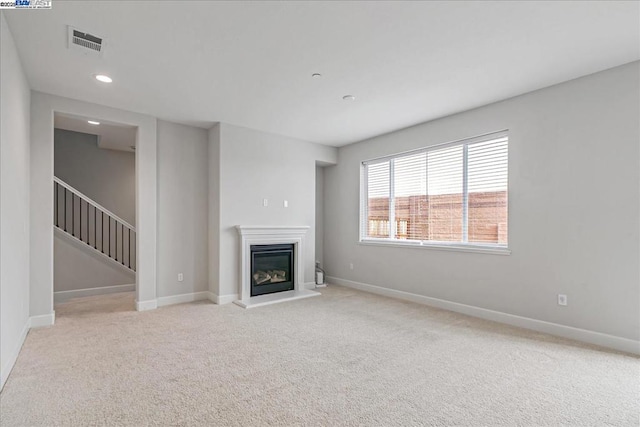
(265, 202)
(350, 266)
(562, 299)
(180, 277)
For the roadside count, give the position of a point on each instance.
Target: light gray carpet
(345, 358)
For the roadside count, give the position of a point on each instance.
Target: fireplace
(272, 269)
(272, 266)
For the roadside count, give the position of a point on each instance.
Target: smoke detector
(86, 43)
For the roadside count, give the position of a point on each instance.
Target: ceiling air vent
(85, 42)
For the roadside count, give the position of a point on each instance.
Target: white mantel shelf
(277, 230)
(271, 235)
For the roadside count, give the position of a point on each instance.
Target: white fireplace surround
(271, 235)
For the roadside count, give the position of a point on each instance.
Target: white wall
(573, 209)
(14, 202)
(254, 166)
(182, 209)
(106, 176)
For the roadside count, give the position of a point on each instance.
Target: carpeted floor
(345, 358)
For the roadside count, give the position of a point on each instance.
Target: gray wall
(254, 166)
(106, 176)
(76, 266)
(319, 215)
(182, 208)
(573, 209)
(14, 202)
(43, 108)
(214, 209)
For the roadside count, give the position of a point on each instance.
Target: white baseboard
(146, 305)
(591, 337)
(42, 320)
(64, 296)
(183, 298)
(222, 299)
(8, 366)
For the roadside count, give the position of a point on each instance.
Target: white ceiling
(112, 136)
(250, 63)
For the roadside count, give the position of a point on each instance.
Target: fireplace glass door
(271, 269)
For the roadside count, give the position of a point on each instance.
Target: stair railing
(93, 224)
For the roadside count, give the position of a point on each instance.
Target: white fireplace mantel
(271, 235)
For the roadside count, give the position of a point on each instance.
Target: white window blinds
(378, 188)
(451, 193)
(487, 175)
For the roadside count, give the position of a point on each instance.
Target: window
(449, 195)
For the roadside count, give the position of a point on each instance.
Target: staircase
(87, 221)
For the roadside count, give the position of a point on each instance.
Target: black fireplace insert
(272, 269)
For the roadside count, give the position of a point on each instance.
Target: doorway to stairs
(94, 193)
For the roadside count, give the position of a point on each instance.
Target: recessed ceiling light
(316, 75)
(103, 78)
(93, 122)
(349, 98)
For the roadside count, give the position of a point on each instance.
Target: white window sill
(456, 247)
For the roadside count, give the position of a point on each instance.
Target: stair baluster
(126, 256)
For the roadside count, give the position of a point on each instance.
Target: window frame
(392, 241)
